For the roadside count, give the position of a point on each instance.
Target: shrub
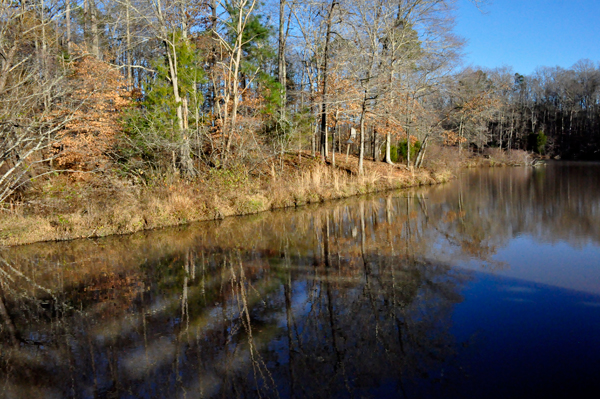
(537, 142)
(443, 157)
(398, 152)
(509, 157)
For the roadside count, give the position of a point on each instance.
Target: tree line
(552, 111)
(157, 86)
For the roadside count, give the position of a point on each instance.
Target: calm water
(485, 287)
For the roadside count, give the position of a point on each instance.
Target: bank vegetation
(121, 115)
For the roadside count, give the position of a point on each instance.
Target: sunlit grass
(63, 209)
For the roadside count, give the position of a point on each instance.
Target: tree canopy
(180, 86)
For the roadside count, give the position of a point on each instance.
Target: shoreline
(70, 210)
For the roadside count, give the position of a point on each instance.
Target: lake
(488, 286)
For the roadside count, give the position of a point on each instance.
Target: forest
(176, 92)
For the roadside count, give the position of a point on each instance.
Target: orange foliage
(98, 97)
(452, 138)
(119, 290)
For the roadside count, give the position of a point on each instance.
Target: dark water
(485, 287)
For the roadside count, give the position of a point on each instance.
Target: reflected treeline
(558, 202)
(348, 299)
(335, 302)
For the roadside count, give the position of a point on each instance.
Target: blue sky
(525, 34)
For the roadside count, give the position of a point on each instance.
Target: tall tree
(325, 77)
(239, 13)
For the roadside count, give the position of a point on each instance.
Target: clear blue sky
(525, 34)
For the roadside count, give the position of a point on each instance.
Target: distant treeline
(554, 111)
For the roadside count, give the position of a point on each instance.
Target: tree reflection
(352, 299)
(335, 321)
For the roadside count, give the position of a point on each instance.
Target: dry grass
(59, 209)
(498, 156)
(445, 158)
(449, 158)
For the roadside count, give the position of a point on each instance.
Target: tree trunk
(43, 11)
(374, 143)
(234, 74)
(361, 151)
(7, 64)
(313, 141)
(323, 146)
(212, 57)
(186, 164)
(460, 131)
(421, 154)
(408, 121)
(512, 129)
(172, 59)
(86, 22)
(184, 22)
(335, 135)
(185, 161)
(281, 70)
(128, 38)
(68, 23)
(388, 148)
(95, 30)
(388, 134)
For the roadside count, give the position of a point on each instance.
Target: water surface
(485, 287)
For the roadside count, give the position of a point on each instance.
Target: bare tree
(325, 76)
(31, 87)
(238, 15)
